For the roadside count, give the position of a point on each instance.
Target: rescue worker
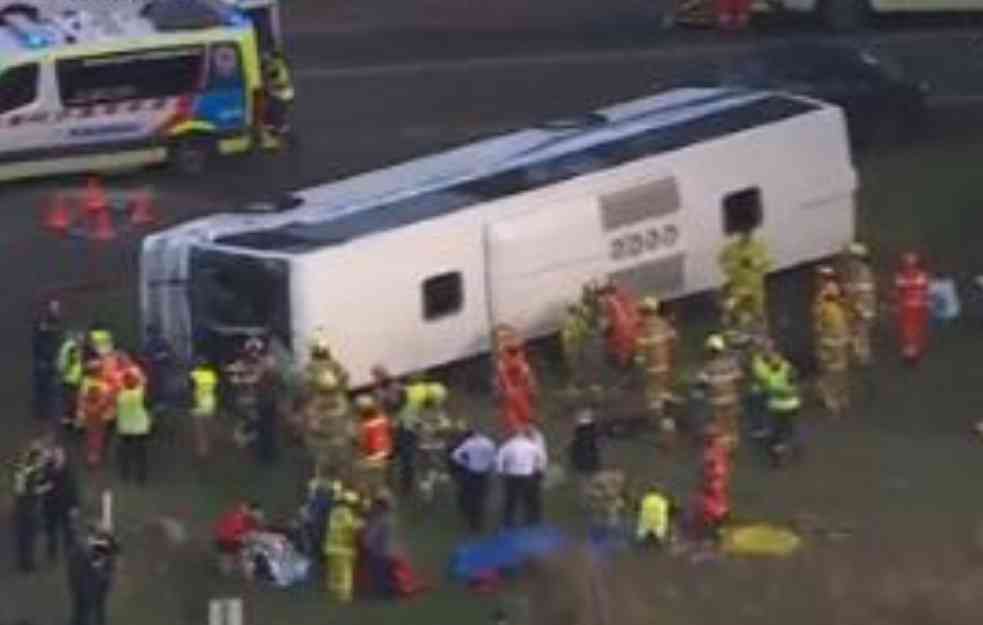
(243, 375)
(407, 436)
(375, 442)
(516, 384)
(777, 378)
(70, 374)
(279, 97)
(861, 293)
(341, 546)
(655, 354)
(91, 569)
(722, 376)
(746, 262)
(833, 354)
(133, 428)
(270, 389)
(826, 282)
(743, 330)
(204, 404)
(95, 411)
(911, 285)
(434, 426)
(329, 430)
(653, 517)
(59, 502)
(712, 501)
(607, 504)
(46, 340)
(27, 488)
(573, 337)
(620, 322)
(321, 358)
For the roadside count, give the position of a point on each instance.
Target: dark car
(880, 102)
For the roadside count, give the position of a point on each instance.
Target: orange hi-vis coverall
(517, 385)
(912, 297)
(623, 325)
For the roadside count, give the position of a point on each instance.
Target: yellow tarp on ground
(760, 539)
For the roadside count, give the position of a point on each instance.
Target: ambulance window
(742, 210)
(442, 295)
(146, 74)
(18, 87)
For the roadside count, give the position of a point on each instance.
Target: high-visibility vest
(653, 516)
(783, 396)
(341, 538)
(132, 418)
(70, 362)
(205, 383)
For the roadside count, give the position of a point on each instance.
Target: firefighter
(746, 262)
(517, 385)
(573, 336)
(341, 546)
(722, 376)
(433, 428)
(833, 354)
(204, 404)
(606, 499)
(743, 330)
(375, 442)
(279, 97)
(70, 371)
(654, 354)
(826, 281)
(95, 411)
(620, 322)
(322, 359)
(861, 292)
(329, 431)
(712, 500)
(243, 375)
(911, 285)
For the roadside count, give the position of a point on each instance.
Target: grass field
(902, 473)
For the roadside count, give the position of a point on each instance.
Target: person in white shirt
(475, 459)
(521, 462)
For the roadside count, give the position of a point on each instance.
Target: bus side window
(18, 87)
(742, 210)
(443, 295)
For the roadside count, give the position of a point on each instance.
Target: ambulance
(176, 81)
(412, 266)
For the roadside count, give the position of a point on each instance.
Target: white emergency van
(94, 91)
(412, 266)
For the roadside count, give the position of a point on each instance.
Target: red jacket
(234, 525)
(621, 310)
(376, 438)
(912, 286)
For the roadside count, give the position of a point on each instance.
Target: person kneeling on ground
(231, 531)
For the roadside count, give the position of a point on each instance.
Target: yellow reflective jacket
(341, 537)
(653, 516)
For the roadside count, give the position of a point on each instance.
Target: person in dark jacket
(585, 449)
(46, 341)
(28, 488)
(60, 502)
(269, 396)
(91, 568)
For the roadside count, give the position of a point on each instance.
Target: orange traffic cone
(95, 198)
(101, 225)
(59, 216)
(142, 209)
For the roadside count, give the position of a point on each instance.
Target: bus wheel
(191, 155)
(845, 15)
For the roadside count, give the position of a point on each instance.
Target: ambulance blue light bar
(30, 33)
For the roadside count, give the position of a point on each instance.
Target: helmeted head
(365, 405)
(825, 272)
(857, 249)
(910, 260)
(715, 343)
(253, 347)
(350, 497)
(130, 380)
(436, 395)
(320, 348)
(650, 305)
(93, 366)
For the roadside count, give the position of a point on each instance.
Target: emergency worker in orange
(375, 443)
(911, 287)
(517, 386)
(96, 406)
(621, 322)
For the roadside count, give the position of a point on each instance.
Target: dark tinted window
(139, 75)
(442, 295)
(18, 87)
(742, 210)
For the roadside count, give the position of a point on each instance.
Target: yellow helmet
(326, 381)
(350, 497)
(650, 304)
(436, 394)
(715, 342)
(857, 249)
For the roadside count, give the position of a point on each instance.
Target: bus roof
(516, 163)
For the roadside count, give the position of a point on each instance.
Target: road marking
(670, 51)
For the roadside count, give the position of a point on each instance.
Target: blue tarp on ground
(504, 552)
